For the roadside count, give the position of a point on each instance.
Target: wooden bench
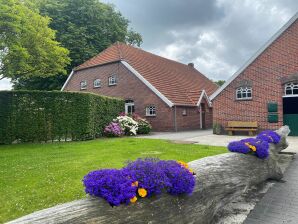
(250, 126)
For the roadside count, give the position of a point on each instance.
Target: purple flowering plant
(143, 178)
(113, 130)
(258, 146)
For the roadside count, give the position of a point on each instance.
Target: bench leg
(230, 132)
(250, 133)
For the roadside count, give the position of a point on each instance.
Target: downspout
(175, 120)
(201, 118)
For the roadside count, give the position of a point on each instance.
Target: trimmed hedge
(40, 116)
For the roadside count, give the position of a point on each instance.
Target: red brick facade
(130, 87)
(278, 61)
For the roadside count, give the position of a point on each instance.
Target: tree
(220, 82)
(85, 28)
(27, 45)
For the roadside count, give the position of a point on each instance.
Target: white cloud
(5, 84)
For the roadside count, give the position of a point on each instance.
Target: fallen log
(219, 180)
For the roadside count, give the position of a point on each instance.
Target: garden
(38, 176)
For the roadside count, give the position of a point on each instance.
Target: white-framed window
(129, 107)
(244, 93)
(151, 111)
(112, 80)
(291, 89)
(83, 84)
(184, 113)
(97, 83)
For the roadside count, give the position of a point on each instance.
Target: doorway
(290, 113)
(129, 106)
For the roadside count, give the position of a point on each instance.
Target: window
(112, 80)
(244, 93)
(83, 84)
(129, 107)
(291, 89)
(96, 83)
(151, 111)
(184, 113)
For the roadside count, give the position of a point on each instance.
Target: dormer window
(291, 89)
(83, 84)
(244, 93)
(97, 83)
(113, 80)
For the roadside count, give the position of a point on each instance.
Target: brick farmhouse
(171, 95)
(265, 89)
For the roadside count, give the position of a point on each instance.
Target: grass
(38, 176)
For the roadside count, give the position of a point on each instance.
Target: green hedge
(40, 116)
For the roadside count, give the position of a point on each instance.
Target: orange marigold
(134, 199)
(142, 192)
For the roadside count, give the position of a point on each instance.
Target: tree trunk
(219, 180)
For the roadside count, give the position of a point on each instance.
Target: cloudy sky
(218, 36)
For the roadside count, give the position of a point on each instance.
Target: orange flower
(135, 184)
(142, 192)
(253, 148)
(134, 199)
(183, 164)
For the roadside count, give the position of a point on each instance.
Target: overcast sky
(218, 36)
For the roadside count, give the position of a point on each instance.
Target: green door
(290, 111)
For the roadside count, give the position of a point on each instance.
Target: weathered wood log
(219, 180)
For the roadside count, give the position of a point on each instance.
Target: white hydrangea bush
(129, 126)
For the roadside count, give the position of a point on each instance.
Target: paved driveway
(205, 137)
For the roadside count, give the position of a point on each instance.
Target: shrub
(144, 126)
(129, 126)
(29, 116)
(113, 130)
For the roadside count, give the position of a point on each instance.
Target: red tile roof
(180, 83)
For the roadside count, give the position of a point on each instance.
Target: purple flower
(111, 185)
(113, 130)
(269, 136)
(152, 175)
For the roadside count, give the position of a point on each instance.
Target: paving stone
(280, 204)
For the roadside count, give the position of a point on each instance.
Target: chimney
(191, 65)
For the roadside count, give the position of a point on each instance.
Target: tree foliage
(220, 82)
(85, 28)
(27, 45)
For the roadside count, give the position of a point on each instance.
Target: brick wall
(128, 87)
(279, 60)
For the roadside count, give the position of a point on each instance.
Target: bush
(129, 126)
(113, 130)
(144, 127)
(29, 116)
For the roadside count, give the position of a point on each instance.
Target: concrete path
(280, 203)
(205, 137)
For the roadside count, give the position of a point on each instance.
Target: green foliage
(217, 128)
(27, 45)
(219, 82)
(85, 28)
(144, 127)
(29, 116)
(38, 176)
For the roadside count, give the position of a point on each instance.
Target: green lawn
(37, 176)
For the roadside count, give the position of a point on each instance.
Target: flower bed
(258, 146)
(127, 125)
(139, 179)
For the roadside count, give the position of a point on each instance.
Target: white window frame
(112, 80)
(128, 104)
(97, 83)
(291, 86)
(83, 84)
(244, 91)
(151, 111)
